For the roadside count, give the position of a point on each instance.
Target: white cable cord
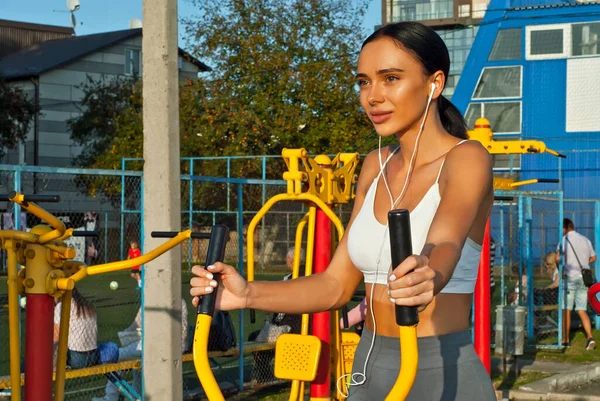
(359, 378)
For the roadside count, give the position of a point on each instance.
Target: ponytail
(452, 119)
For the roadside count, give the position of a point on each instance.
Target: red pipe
(320, 388)
(482, 302)
(39, 320)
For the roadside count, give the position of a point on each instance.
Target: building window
(507, 45)
(133, 62)
(499, 82)
(548, 42)
(504, 117)
(585, 39)
(464, 10)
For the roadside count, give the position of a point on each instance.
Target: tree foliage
(283, 76)
(17, 112)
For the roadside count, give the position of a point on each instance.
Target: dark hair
(84, 307)
(568, 224)
(427, 46)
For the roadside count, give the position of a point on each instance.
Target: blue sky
(96, 16)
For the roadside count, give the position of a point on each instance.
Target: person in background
(133, 253)
(578, 255)
(82, 348)
(132, 349)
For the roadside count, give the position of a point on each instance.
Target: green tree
(282, 75)
(17, 112)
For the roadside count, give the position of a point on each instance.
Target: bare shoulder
(468, 166)
(470, 155)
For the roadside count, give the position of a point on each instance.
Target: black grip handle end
(345, 316)
(173, 234)
(401, 248)
(33, 198)
(252, 316)
(216, 253)
(85, 233)
(548, 180)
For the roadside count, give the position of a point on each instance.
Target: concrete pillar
(162, 197)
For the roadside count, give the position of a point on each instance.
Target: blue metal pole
(264, 177)
(16, 206)
(501, 249)
(597, 248)
(228, 185)
(122, 234)
(17, 212)
(521, 245)
(142, 274)
(529, 264)
(561, 211)
(240, 227)
(190, 215)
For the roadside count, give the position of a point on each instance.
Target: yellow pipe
(298, 246)
(269, 204)
(59, 226)
(252, 227)
(61, 359)
(525, 182)
(201, 363)
(18, 235)
(409, 362)
(64, 251)
(127, 264)
(68, 233)
(13, 322)
(310, 245)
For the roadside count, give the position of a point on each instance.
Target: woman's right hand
(231, 294)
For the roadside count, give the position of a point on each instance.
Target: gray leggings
(449, 369)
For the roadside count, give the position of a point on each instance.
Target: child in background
(133, 253)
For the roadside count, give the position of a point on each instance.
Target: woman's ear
(439, 80)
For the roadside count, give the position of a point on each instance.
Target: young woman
(83, 332)
(446, 184)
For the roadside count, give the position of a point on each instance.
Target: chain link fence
(526, 232)
(103, 201)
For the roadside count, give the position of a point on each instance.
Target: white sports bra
(369, 243)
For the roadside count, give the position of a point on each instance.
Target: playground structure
(48, 273)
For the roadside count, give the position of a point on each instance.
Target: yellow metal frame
(483, 134)
(47, 270)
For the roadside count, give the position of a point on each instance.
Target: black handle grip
(252, 316)
(548, 180)
(85, 233)
(216, 252)
(345, 316)
(401, 248)
(562, 156)
(33, 197)
(173, 234)
(504, 198)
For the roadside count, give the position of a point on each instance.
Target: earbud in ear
(433, 88)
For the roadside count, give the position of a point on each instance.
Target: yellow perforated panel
(297, 357)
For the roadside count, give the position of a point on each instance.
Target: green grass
(512, 382)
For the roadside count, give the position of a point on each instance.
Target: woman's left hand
(411, 283)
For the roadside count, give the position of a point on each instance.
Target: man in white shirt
(578, 253)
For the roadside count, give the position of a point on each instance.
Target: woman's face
(393, 88)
